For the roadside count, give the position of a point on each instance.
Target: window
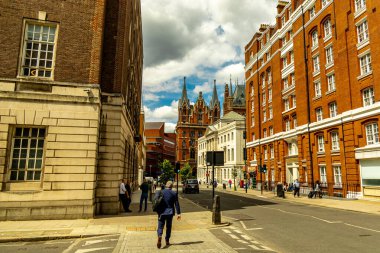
(314, 39)
(312, 12)
(359, 5)
(286, 83)
(292, 148)
(291, 54)
(252, 106)
(263, 81)
(329, 56)
(319, 114)
(264, 115)
(337, 176)
(331, 82)
(228, 137)
(334, 141)
(362, 30)
(322, 171)
(316, 64)
(270, 130)
(295, 121)
(287, 125)
(265, 153)
(269, 74)
(232, 155)
(267, 37)
(265, 133)
(327, 28)
(333, 109)
(232, 136)
(38, 50)
(200, 134)
(317, 89)
(270, 113)
(252, 120)
(271, 152)
(286, 104)
(368, 97)
(321, 143)
(294, 101)
(27, 154)
(228, 157)
(283, 20)
(264, 98)
(284, 62)
(292, 79)
(192, 133)
(372, 132)
(325, 2)
(192, 154)
(270, 95)
(365, 64)
(184, 155)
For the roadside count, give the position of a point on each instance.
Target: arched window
(192, 154)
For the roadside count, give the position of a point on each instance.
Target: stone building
(192, 123)
(312, 102)
(70, 96)
(160, 146)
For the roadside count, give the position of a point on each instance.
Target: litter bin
(280, 190)
(224, 186)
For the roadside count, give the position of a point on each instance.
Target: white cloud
(151, 97)
(204, 88)
(170, 127)
(235, 70)
(167, 114)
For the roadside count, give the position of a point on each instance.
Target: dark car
(190, 185)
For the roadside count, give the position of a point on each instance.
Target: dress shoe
(159, 242)
(167, 242)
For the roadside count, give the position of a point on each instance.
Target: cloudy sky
(200, 39)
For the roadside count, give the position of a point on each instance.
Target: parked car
(190, 185)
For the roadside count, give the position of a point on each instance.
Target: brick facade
(311, 96)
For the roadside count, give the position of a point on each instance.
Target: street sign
(218, 158)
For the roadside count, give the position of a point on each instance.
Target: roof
(154, 125)
(239, 96)
(233, 116)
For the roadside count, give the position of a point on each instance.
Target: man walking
(144, 187)
(128, 194)
(296, 185)
(166, 212)
(123, 195)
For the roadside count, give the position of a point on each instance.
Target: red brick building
(159, 146)
(234, 99)
(192, 123)
(312, 110)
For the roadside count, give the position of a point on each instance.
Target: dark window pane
(41, 143)
(34, 63)
(24, 143)
(29, 45)
(27, 62)
(43, 47)
(25, 132)
(22, 163)
(31, 164)
(34, 132)
(17, 143)
(34, 54)
(38, 163)
(21, 175)
(30, 175)
(13, 175)
(40, 152)
(48, 64)
(37, 175)
(16, 153)
(26, 72)
(50, 48)
(32, 153)
(18, 131)
(24, 152)
(42, 132)
(14, 163)
(33, 143)
(47, 73)
(40, 73)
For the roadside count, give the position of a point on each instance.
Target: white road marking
(254, 247)
(233, 236)
(245, 227)
(89, 250)
(373, 230)
(242, 241)
(267, 248)
(239, 248)
(226, 231)
(246, 237)
(97, 241)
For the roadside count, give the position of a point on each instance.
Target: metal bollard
(216, 216)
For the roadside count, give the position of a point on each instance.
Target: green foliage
(185, 171)
(167, 171)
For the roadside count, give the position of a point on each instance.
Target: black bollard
(216, 216)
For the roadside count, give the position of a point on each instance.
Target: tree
(186, 171)
(167, 171)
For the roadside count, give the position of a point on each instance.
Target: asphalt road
(262, 225)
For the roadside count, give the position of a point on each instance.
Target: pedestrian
(230, 183)
(128, 194)
(296, 188)
(317, 189)
(166, 212)
(144, 187)
(123, 195)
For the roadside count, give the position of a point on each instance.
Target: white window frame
(321, 143)
(291, 54)
(264, 98)
(294, 101)
(314, 39)
(317, 89)
(368, 96)
(331, 82)
(270, 112)
(360, 5)
(333, 109)
(316, 67)
(327, 28)
(265, 133)
(362, 32)
(270, 131)
(43, 46)
(286, 104)
(284, 62)
(319, 114)
(335, 141)
(271, 149)
(365, 64)
(323, 175)
(287, 125)
(270, 95)
(265, 153)
(295, 124)
(312, 12)
(337, 176)
(264, 115)
(286, 83)
(372, 133)
(292, 79)
(329, 56)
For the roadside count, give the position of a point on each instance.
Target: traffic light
(263, 168)
(177, 167)
(244, 154)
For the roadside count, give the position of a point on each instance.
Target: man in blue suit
(166, 212)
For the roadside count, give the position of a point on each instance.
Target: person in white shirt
(123, 195)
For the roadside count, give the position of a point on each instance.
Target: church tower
(214, 106)
(184, 105)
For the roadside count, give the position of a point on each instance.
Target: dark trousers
(296, 191)
(144, 197)
(124, 201)
(161, 224)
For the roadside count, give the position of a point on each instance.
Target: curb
(48, 238)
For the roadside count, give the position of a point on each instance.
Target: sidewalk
(137, 230)
(371, 206)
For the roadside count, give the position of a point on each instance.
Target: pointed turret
(214, 99)
(231, 93)
(184, 100)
